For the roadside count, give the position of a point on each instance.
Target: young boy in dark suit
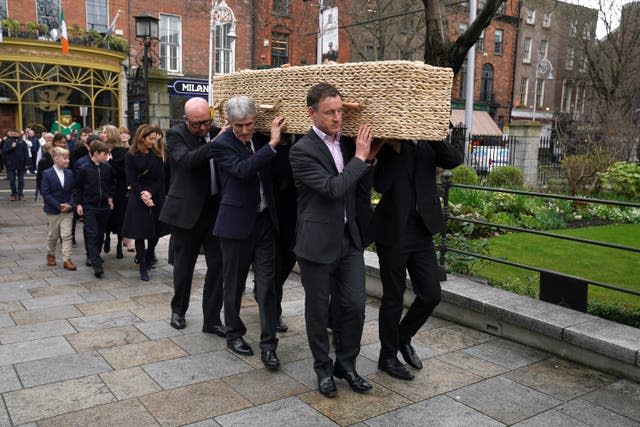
(94, 197)
(56, 188)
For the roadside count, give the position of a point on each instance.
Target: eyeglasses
(197, 125)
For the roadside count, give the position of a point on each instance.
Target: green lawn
(612, 266)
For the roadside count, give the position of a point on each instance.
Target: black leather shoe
(281, 326)
(97, 270)
(107, 245)
(393, 367)
(219, 330)
(327, 387)
(356, 382)
(270, 359)
(409, 355)
(240, 346)
(177, 321)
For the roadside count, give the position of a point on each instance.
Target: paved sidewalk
(78, 351)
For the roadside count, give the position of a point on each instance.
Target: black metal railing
(555, 287)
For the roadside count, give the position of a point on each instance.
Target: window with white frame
(526, 51)
(539, 92)
(584, 63)
(580, 95)
(546, 20)
(524, 91)
(566, 96)
(543, 49)
(279, 49)
(486, 83)
(531, 16)
(3, 9)
(48, 12)
(573, 28)
(225, 52)
(498, 46)
(97, 12)
(480, 42)
(571, 53)
(171, 43)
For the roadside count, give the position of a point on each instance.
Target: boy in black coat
(94, 197)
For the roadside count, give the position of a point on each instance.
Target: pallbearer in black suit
(190, 208)
(247, 223)
(328, 173)
(404, 222)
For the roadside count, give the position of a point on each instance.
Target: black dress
(116, 219)
(144, 172)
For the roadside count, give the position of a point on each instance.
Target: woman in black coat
(145, 170)
(110, 135)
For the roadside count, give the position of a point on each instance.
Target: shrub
(464, 174)
(461, 263)
(506, 177)
(581, 171)
(622, 178)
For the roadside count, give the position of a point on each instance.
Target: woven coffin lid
(398, 99)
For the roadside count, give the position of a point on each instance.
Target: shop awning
(483, 124)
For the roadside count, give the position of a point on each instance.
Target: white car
(484, 158)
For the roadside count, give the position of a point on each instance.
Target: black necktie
(249, 148)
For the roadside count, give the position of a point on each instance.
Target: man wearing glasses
(191, 208)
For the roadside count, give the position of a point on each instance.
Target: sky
(611, 10)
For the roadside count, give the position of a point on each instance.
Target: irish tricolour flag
(63, 33)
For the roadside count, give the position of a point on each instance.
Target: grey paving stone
(96, 296)
(5, 320)
(437, 411)
(372, 351)
(34, 331)
(506, 353)
(504, 400)
(194, 369)
(138, 290)
(45, 315)
(127, 413)
(100, 339)
(205, 423)
(33, 350)
(13, 293)
(302, 371)
(473, 364)
(618, 341)
(4, 415)
(291, 411)
(104, 321)
(49, 400)
(52, 301)
(622, 397)
(128, 383)
(595, 415)
(8, 379)
(61, 368)
(551, 418)
(200, 343)
(157, 329)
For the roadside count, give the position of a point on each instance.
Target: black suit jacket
(323, 196)
(190, 177)
(401, 187)
(240, 185)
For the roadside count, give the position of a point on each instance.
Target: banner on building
(328, 37)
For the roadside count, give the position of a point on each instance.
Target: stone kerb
(577, 336)
(528, 135)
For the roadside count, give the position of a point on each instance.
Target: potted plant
(12, 26)
(75, 32)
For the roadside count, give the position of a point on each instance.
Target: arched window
(486, 83)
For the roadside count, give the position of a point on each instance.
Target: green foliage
(506, 177)
(612, 213)
(616, 312)
(526, 286)
(581, 171)
(622, 178)
(118, 44)
(464, 174)
(465, 264)
(11, 25)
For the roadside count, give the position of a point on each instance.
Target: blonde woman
(145, 169)
(110, 135)
(125, 137)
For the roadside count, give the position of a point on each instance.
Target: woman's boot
(119, 253)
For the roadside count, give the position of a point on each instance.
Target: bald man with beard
(191, 208)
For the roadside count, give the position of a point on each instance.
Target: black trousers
(343, 281)
(259, 250)
(186, 246)
(414, 253)
(94, 225)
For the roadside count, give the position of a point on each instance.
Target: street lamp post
(221, 14)
(544, 70)
(147, 30)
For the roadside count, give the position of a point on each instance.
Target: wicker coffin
(398, 99)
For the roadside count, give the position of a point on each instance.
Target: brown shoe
(51, 260)
(13, 198)
(69, 265)
(21, 197)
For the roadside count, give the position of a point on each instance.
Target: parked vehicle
(485, 158)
